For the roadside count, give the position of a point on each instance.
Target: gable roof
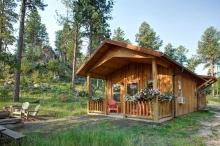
(100, 51)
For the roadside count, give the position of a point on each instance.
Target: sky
(180, 22)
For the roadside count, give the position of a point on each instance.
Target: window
(132, 89)
(116, 92)
(150, 84)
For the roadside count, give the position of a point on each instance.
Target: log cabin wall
(140, 73)
(202, 101)
(165, 84)
(132, 73)
(165, 79)
(186, 84)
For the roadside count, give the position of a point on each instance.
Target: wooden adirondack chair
(32, 113)
(19, 110)
(112, 106)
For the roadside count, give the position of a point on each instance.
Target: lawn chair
(112, 106)
(32, 113)
(18, 111)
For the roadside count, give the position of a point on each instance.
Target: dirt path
(60, 124)
(211, 128)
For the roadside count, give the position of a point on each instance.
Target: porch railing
(96, 106)
(141, 109)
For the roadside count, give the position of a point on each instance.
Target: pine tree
(170, 51)
(178, 54)
(209, 50)
(25, 5)
(8, 17)
(146, 37)
(119, 35)
(36, 37)
(87, 19)
(193, 62)
(181, 54)
(94, 16)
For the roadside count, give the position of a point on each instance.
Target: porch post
(155, 104)
(89, 89)
(105, 99)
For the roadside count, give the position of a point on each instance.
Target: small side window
(150, 84)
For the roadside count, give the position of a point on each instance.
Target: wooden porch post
(89, 89)
(155, 104)
(88, 84)
(105, 98)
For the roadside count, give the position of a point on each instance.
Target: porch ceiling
(113, 64)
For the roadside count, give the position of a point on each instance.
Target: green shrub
(5, 91)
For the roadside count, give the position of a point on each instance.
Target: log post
(123, 99)
(89, 89)
(155, 104)
(105, 99)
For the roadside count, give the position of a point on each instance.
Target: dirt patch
(45, 126)
(210, 129)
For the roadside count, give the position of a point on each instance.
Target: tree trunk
(90, 39)
(1, 25)
(212, 74)
(1, 45)
(74, 55)
(19, 51)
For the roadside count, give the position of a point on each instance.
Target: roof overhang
(98, 65)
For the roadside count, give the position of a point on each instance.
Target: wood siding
(140, 73)
(202, 101)
(188, 87)
(132, 73)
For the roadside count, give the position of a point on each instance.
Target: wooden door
(118, 95)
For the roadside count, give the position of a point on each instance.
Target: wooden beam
(154, 73)
(105, 98)
(89, 89)
(155, 103)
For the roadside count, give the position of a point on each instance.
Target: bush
(5, 91)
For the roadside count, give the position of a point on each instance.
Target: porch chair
(112, 106)
(19, 110)
(32, 113)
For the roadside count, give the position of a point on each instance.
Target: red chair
(112, 106)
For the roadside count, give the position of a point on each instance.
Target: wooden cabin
(127, 69)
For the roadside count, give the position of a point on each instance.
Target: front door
(117, 95)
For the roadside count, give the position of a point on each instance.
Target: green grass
(57, 101)
(178, 132)
(215, 101)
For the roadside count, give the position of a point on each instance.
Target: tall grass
(79, 137)
(181, 131)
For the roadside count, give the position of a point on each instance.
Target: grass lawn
(214, 101)
(182, 131)
(56, 101)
